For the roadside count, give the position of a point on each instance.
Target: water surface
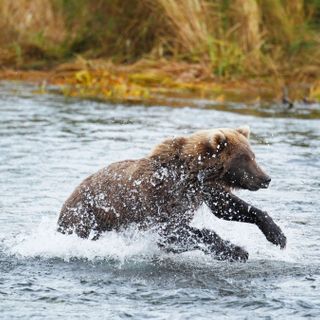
(49, 144)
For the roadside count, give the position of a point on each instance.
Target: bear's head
(224, 156)
(220, 157)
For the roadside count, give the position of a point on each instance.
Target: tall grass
(31, 28)
(238, 37)
(189, 21)
(247, 20)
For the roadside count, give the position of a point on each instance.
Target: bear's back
(109, 199)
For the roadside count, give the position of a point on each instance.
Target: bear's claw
(233, 254)
(273, 233)
(277, 238)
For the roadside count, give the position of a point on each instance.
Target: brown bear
(164, 190)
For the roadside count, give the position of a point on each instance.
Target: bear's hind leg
(80, 221)
(181, 239)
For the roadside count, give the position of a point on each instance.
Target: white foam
(44, 241)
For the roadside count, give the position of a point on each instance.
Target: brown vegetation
(219, 40)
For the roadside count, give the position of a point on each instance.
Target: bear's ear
(218, 142)
(244, 130)
(168, 149)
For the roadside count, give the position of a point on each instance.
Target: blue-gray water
(49, 144)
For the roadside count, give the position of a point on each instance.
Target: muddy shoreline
(121, 83)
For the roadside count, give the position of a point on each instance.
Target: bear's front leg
(185, 238)
(229, 207)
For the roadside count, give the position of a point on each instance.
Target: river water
(48, 144)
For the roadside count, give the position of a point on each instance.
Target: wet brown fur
(164, 187)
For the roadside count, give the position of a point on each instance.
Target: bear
(164, 190)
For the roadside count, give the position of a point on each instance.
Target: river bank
(243, 51)
(151, 82)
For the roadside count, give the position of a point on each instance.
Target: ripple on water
(49, 144)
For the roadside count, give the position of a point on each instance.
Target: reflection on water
(49, 144)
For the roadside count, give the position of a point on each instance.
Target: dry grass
(247, 20)
(34, 27)
(189, 21)
(27, 17)
(225, 38)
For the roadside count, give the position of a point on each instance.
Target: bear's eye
(246, 157)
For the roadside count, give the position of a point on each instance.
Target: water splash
(45, 242)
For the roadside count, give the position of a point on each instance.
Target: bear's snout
(265, 181)
(259, 182)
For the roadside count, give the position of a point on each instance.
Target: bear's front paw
(273, 233)
(277, 237)
(234, 253)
